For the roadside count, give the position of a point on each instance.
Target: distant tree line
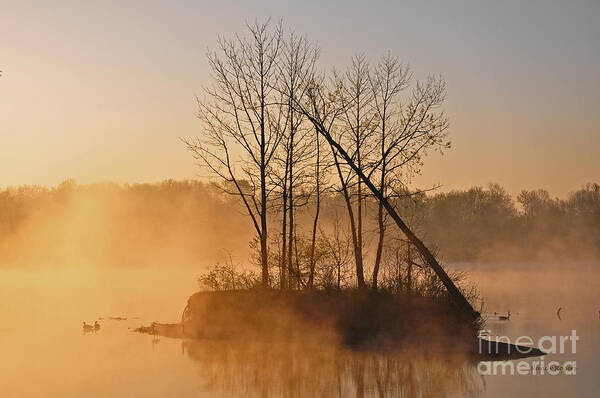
(487, 223)
(193, 218)
(171, 223)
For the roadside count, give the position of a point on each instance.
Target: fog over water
(45, 352)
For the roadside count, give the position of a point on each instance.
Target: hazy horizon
(440, 189)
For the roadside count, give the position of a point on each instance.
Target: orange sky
(103, 91)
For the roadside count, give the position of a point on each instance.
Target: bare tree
(243, 121)
(387, 80)
(297, 65)
(322, 111)
(405, 132)
(355, 127)
(267, 93)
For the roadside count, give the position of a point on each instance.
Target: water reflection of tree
(288, 370)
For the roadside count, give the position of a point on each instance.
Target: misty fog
(189, 223)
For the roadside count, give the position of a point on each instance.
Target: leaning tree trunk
(427, 255)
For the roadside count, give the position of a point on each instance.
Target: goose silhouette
(504, 317)
(87, 328)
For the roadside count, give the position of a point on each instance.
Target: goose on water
(87, 328)
(504, 317)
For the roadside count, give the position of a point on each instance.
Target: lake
(45, 352)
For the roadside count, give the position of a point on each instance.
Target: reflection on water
(45, 352)
(295, 370)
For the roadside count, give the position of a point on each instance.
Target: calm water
(45, 353)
